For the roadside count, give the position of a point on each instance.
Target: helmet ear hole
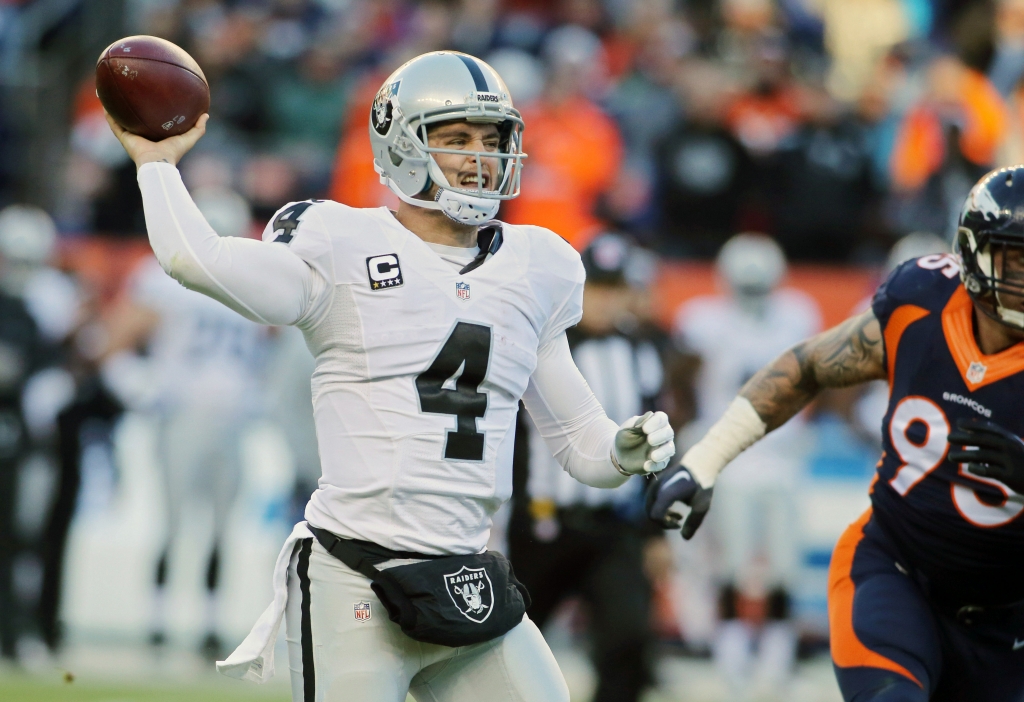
(983, 254)
(396, 160)
(964, 240)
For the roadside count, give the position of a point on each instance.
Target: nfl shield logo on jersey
(462, 290)
(976, 372)
(361, 611)
(471, 591)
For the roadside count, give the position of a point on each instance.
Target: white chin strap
(1012, 317)
(459, 207)
(466, 209)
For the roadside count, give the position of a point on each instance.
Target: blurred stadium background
(836, 127)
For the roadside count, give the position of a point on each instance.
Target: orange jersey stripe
(847, 650)
(958, 328)
(901, 318)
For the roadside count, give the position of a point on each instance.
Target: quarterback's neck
(992, 336)
(435, 227)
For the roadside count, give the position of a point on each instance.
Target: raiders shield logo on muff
(488, 600)
(472, 592)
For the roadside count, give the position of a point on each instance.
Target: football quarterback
(428, 325)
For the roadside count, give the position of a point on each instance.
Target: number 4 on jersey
(287, 221)
(450, 386)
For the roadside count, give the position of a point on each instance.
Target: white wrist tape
(737, 429)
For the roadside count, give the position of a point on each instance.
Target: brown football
(151, 87)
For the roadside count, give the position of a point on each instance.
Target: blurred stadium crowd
(656, 131)
(832, 125)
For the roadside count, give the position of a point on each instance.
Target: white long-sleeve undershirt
(570, 419)
(268, 283)
(265, 282)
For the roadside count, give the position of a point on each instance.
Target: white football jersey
(55, 302)
(419, 371)
(733, 345)
(201, 352)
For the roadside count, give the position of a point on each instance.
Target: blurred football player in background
(567, 538)
(200, 381)
(28, 241)
(42, 309)
(290, 405)
(734, 334)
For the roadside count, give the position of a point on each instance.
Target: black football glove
(989, 451)
(677, 485)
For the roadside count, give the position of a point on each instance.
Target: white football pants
(336, 657)
(755, 518)
(200, 449)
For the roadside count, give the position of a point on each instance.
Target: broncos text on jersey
(962, 533)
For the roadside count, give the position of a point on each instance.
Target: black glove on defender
(677, 485)
(989, 451)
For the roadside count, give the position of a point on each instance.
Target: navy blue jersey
(962, 532)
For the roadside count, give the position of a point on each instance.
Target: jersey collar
(489, 239)
(976, 369)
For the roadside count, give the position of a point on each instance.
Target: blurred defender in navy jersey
(566, 538)
(926, 589)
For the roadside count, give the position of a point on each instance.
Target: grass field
(20, 688)
(122, 672)
(134, 674)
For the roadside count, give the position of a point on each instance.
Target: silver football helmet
(438, 87)
(27, 235)
(752, 265)
(28, 240)
(914, 245)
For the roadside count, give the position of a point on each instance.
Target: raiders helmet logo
(471, 591)
(380, 115)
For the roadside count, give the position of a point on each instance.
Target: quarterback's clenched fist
(644, 444)
(678, 485)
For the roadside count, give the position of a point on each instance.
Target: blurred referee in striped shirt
(566, 538)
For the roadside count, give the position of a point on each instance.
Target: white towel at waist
(254, 657)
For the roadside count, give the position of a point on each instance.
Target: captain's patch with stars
(384, 271)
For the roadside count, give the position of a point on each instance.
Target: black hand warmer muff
(447, 600)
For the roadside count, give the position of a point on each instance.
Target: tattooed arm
(845, 355)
